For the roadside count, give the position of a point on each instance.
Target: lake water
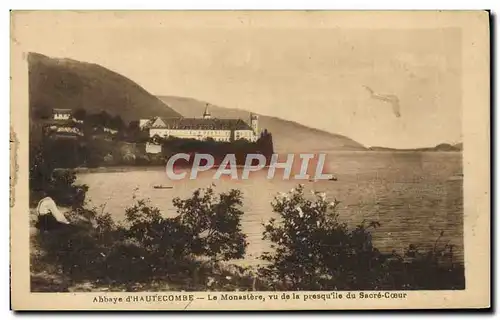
(414, 196)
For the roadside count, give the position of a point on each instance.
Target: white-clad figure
(47, 206)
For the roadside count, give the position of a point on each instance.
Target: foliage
(128, 158)
(148, 246)
(80, 114)
(64, 190)
(94, 148)
(314, 251)
(81, 248)
(62, 153)
(218, 149)
(46, 180)
(42, 111)
(161, 240)
(135, 134)
(101, 119)
(424, 269)
(108, 159)
(213, 223)
(40, 171)
(265, 144)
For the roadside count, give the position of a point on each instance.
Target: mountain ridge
(288, 136)
(72, 84)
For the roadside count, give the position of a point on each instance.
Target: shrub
(432, 269)
(64, 191)
(149, 246)
(213, 224)
(143, 160)
(40, 170)
(128, 158)
(108, 159)
(80, 249)
(314, 251)
(45, 180)
(163, 240)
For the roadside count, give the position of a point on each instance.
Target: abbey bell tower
(254, 122)
(206, 114)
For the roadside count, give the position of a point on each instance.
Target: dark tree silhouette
(265, 144)
(42, 112)
(133, 126)
(117, 123)
(80, 114)
(102, 119)
(135, 134)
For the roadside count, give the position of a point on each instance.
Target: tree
(101, 119)
(104, 119)
(45, 180)
(80, 114)
(265, 144)
(207, 225)
(314, 251)
(117, 123)
(135, 134)
(40, 173)
(213, 223)
(42, 111)
(133, 126)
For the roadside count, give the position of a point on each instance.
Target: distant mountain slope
(71, 84)
(439, 147)
(288, 136)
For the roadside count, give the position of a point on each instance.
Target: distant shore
(444, 147)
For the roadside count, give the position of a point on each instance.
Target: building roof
(197, 124)
(56, 110)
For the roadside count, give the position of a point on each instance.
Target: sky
(311, 73)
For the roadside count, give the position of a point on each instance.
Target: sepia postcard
(250, 160)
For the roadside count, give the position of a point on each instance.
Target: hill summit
(71, 84)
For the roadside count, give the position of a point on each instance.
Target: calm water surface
(414, 196)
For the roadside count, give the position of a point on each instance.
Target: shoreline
(124, 168)
(81, 170)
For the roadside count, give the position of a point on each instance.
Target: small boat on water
(331, 179)
(162, 187)
(459, 176)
